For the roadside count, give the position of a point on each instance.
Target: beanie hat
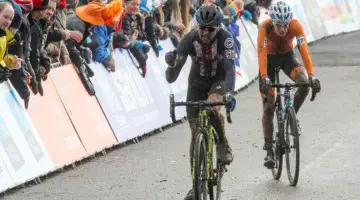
(40, 4)
(26, 5)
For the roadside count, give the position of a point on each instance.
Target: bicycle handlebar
(293, 85)
(173, 104)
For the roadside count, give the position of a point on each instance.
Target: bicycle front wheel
(277, 147)
(292, 144)
(200, 168)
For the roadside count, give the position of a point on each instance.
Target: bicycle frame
(210, 134)
(210, 137)
(278, 102)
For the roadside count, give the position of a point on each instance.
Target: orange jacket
(271, 44)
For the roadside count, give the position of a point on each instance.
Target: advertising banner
(355, 10)
(248, 69)
(6, 181)
(131, 103)
(300, 15)
(315, 21)
(83, 110)
(54, 127)
(252, 30)
(337, 16)
(21, 148)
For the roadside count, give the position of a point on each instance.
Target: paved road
(157, 168)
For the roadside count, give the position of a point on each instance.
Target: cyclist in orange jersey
(275, 48)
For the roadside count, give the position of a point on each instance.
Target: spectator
(16, 50)
(6, 16)
(43, 11)
(58, 50)
(129, 33)
(185, 14)
(161, 32)
(148, 19)
(173, 21)
(22, 45)
(87, 16)
(102, 36)
(253, 7)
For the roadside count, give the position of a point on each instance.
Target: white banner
(248, 69)
(337, 16)
(134, 105)
(21, 148)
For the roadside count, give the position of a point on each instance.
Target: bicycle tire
(220, 173)
(200, 179)
(213, 173)
(291, 120)
(277, 148)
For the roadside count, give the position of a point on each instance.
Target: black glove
(264, 84)
(315, 84)
(4, 74)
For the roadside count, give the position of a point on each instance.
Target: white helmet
(280, 13)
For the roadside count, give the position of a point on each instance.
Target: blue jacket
(102, 34)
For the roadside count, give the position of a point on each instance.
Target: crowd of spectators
(34, 34)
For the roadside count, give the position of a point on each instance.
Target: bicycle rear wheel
(277, 147)
(292, 149)
(200, 169)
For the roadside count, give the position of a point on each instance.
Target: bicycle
(204, 175)
(286, 117)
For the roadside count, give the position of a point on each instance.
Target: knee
(301, 77)
(269, 105)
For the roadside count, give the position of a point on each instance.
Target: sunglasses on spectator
(209, 29)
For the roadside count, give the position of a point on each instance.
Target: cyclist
(212, 74)
(275, 48)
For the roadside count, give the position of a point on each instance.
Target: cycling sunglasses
(279, 25)
(209, 29)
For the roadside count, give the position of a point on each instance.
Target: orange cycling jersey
(270, 43)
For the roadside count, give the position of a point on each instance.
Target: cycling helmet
(280, 13)
(209, 15)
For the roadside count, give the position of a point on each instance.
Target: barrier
(23, 155)
(55, 127)
(316, 24)
(66, 124)
(337, 17)
(133, 105)
(83, 110)
(248, 69)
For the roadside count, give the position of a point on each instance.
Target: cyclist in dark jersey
(212, 73)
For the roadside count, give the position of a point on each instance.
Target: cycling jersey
(210, 62)
(271, 44)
